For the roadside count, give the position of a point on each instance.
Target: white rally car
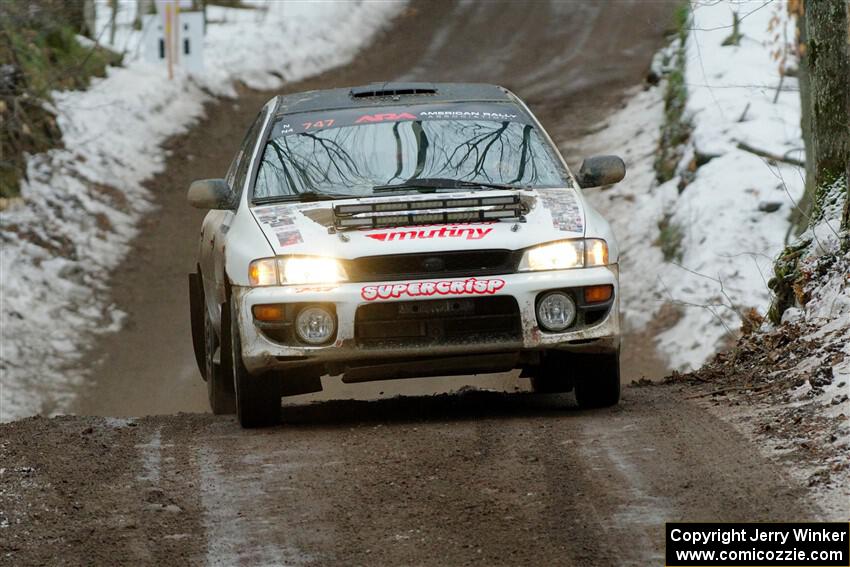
(402, 230)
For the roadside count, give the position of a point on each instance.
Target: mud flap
(297, 382)
(196, 317)
(555, 373)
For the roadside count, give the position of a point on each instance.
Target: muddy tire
(196, 318)
(257, 396)
(219, 383)
(598, 383)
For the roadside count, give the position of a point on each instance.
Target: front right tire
(257, 396)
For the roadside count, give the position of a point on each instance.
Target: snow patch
(732, 217)
(82, 203)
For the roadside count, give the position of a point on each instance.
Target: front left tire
(205, 343)
(220, 392)
(257, 396)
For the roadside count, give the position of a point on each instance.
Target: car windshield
(351, 154)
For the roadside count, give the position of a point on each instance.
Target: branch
(765, 154)
(723, 391)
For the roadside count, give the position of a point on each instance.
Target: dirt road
(483, 479)
(479, 478)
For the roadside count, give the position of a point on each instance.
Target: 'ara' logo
(384, 117)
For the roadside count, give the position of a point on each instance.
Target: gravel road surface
(472, 479)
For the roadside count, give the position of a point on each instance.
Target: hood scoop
(386, 213)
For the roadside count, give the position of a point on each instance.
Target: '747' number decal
(319, 124)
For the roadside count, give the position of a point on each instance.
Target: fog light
(267, 312)
(598, 293)
(556, 311)
(315, 325)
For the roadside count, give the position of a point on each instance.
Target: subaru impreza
(402, 230)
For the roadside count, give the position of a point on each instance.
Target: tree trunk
(113, 16)
(825, 100)
(845, 221)
(829, 76)
(800, 215)
(89, 17)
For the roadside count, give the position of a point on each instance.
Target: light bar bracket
(382, 214)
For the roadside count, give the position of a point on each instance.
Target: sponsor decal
(276, 216)
(315, 289)
(564, 207)
(385, 117)
(467, 114)
(469, 286)
(467, 232)
(279, 218)
(289, 237)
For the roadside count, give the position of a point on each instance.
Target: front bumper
(260, 353)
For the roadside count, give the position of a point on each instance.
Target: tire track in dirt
(91, 491)
(476, 478)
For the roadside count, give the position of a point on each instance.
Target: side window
(242, 162)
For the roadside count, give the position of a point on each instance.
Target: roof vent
(393, 89)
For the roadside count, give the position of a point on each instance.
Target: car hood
(308, 228)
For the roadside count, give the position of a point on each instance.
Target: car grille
(438, 322)
(432, 265)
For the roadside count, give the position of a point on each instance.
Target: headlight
(555, 256)
(296, 270)
(565, 255)
(310, 270)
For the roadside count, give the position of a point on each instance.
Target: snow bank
(82, 203)
(732, 217)
(787, 387)
(825, 268)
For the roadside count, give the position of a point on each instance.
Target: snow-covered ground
(789, 386)
(733, 215)
(81, 203)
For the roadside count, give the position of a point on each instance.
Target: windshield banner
(314, 121)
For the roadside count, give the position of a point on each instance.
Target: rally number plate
(447, 306)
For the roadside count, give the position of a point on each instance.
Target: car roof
(391, 94)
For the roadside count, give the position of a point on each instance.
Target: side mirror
(210, 194)
(601, 170)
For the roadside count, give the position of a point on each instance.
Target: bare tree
(143, 8)
(113, 16)
(824, 35)
(824, 87)
(845, 221)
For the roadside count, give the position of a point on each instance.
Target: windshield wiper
(432, 184)
(306, 197)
